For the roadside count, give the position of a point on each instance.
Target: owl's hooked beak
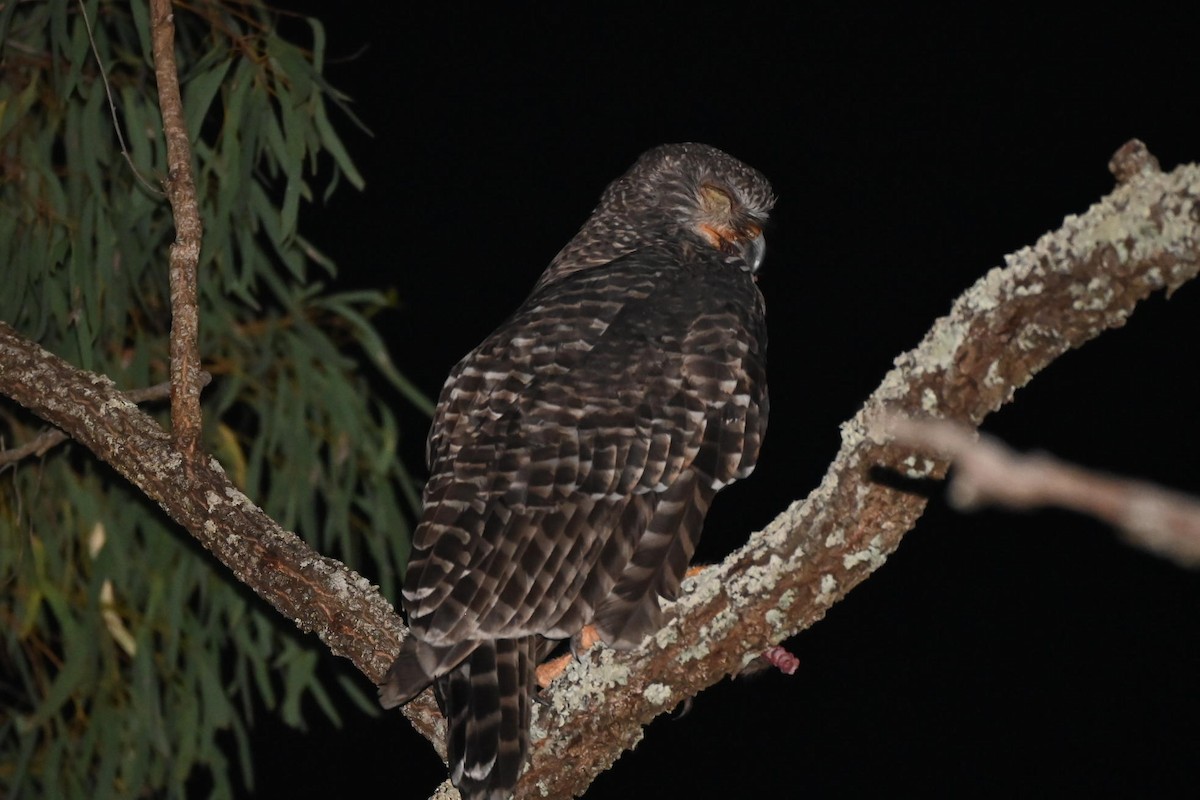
(749, 243)
(753, 251)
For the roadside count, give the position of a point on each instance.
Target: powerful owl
(574, 453)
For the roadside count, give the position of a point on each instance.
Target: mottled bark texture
(52, 437)
(318, 594)
(186, 419)
(1073, 284)
(1069, 287)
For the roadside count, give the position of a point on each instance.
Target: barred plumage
(575, 452)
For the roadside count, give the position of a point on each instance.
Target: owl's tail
(486, 701)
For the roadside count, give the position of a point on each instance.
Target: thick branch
(1075, 283)
(988, 472)
(319, 594)
(44, 441)
(186, 420)
(1071, 286)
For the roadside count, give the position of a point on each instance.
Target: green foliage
(126, 649)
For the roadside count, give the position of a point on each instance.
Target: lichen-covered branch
(186, 419)
(1069, 287)
(1073, 284)
(987, 472)
(318, 594)
(47, 439)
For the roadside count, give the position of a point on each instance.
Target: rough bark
(186, 419)
(1073, 284)
(320, 595)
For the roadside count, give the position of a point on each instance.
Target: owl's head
(707, 192)
(674, 190)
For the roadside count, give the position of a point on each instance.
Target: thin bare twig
(112, 106)
(37, 446)
(44, 441)
(986, 471)
(186, 419)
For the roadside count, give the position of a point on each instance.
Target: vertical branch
(185, 251)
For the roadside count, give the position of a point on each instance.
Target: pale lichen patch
(116, 403)
(759, 579)
(585, 682)
(986, 294)
(786, 599)
(1096, 296)
(701, 588)
(917, 467)
(666, 635)
(694, 653)
(657, 694)
(721, 623)
(829, 587)
(871, 555)
(993, 378)
(852, 432)
(940, 345)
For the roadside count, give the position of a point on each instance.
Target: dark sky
(994, 654)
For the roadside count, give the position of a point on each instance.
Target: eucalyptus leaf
(133, 654)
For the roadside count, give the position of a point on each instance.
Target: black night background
(994, 654)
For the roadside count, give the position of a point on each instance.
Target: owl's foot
(548, 671)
